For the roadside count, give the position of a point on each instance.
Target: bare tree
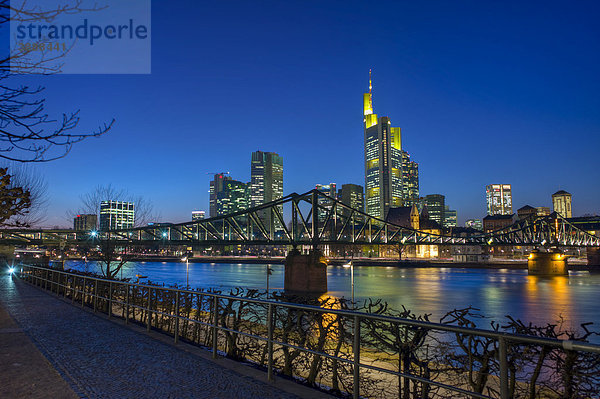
(90, 203)
(27, 132)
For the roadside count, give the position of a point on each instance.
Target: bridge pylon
(551, 263)
(305, 274)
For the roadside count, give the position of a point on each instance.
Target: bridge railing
(357, 353)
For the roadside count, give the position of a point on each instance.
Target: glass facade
(116, 215)
(499, 199)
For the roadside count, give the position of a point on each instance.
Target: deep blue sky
(485, 92)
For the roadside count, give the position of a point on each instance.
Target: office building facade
(450, 218)
(117, 215)
(498, 199)
(198, 215)
(216, 186)
(410, 180)
(85, 222)
(352, 195)
(266, 182)
(383, 160)
(561, 203)
(436, 207)
(234, 197)
(331, 191)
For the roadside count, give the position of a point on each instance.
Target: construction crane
(217, 173)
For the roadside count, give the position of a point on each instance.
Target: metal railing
(216, 313)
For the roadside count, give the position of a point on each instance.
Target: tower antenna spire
(370, 85)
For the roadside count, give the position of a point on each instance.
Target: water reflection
(422, 290)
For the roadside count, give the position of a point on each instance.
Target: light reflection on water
(497, 292)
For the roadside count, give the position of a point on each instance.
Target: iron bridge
(313, 219)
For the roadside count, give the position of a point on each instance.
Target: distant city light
(94, 233)
(11, 270)
(164, 234)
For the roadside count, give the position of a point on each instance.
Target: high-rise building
(352, 195)
(499, 199)
(543, 211)
(383, 160)
(561, 202)
(234, 197)
(410, 180)
(266, 181)
(116, 215)
(329, 190)
(198, 215)
(85, 222)
(474, 224)
(216, 186)
(450, 217)
(436, 206)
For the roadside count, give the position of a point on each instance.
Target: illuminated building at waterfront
(266, 181)
(116, 215)
(216, 186)
(561, 203)
(498, 199)
(352, 195)
(329, 190)
(234, 197)
(383, 163)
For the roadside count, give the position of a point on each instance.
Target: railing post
(127, 304)
(503, 355)
(356, 358)
(73, 289)
(46, 280)
(95, 295)
(110, 290)
(148, 314)
(83, 285)
(270, 342)
(176, 332)
(215, 321)
(65, 285)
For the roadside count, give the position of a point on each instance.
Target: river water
(497, 292)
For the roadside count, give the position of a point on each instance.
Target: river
(497, 292)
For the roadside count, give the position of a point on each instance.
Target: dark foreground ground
(51, 349)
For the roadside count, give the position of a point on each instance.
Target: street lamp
(351, 266)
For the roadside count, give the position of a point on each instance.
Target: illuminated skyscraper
(436, 207)
(352, 195)
(499, 199)
(561, 202)
(329, 190)
(410, 180)
(234, 197)
(116, 215)
(266, 181)
(383, 160)
(216, 186)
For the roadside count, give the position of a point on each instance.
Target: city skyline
(511, 96)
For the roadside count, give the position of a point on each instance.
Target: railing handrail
(513, 338)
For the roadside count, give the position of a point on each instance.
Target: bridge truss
(313, 218)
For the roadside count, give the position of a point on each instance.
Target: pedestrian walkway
(98, 358)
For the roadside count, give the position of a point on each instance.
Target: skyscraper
(266, 180)
(498, 199)
(116, 215)
(216, 186)
(383, 160)
(436, 206)
(234, 197)
(410, 180)
(352, 195)
(561, 202)
(450, 217)
(329, 190)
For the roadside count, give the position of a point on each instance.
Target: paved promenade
(50, 348)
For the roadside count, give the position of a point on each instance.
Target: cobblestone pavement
(103, 359)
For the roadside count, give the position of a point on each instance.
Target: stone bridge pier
(305, 274)
(552, 263)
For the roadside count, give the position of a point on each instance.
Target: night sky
(485, 92)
